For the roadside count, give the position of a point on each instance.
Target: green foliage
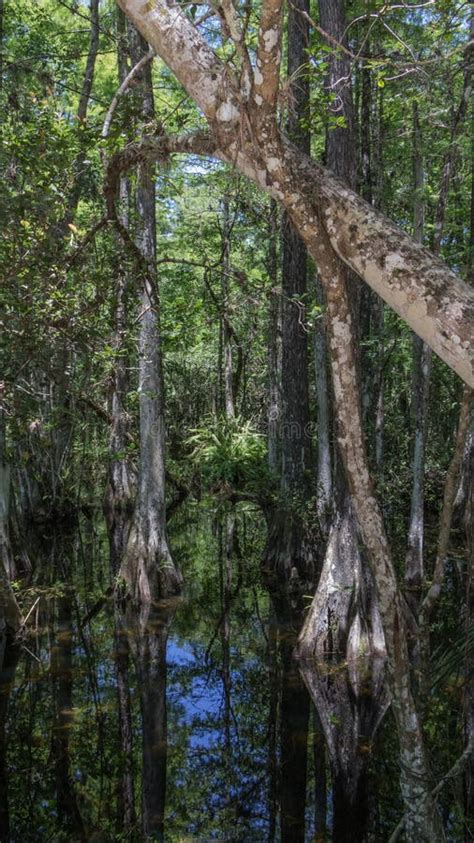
(229, 454)
(57, 337)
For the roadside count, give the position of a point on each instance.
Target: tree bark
(148, 567)
(422, 818)
(342, 659)
(10, 615)
(274, 347)
(120, 490)
(324, 493)
(289, 552)
(229, 396)
(421, 370)
(6, 553)
(436, 304)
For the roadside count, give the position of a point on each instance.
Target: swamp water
(190, 723)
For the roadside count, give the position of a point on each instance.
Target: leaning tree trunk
(148, 567)
(422, 820)
(344, 619)
(427, 295)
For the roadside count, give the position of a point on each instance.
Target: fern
(229, 453)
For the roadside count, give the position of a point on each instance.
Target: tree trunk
(342, 659)
(289, 552)
(119, 495)
(148, 567)
(10, 616)
(229, 397)
(120, 491)
(274, 347)
(422, 820)
(324, 492)
(419, 404)
(6, 554)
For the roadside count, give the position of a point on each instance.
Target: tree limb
(267, 72)
(123, 88)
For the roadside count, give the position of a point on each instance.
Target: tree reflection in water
(186, 721)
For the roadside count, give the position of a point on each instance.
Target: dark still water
(188, 723)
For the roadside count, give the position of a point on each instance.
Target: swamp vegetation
(236, 421)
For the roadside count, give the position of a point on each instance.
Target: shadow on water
(185, 722)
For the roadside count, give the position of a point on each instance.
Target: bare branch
(152, 148)
(123, 88)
